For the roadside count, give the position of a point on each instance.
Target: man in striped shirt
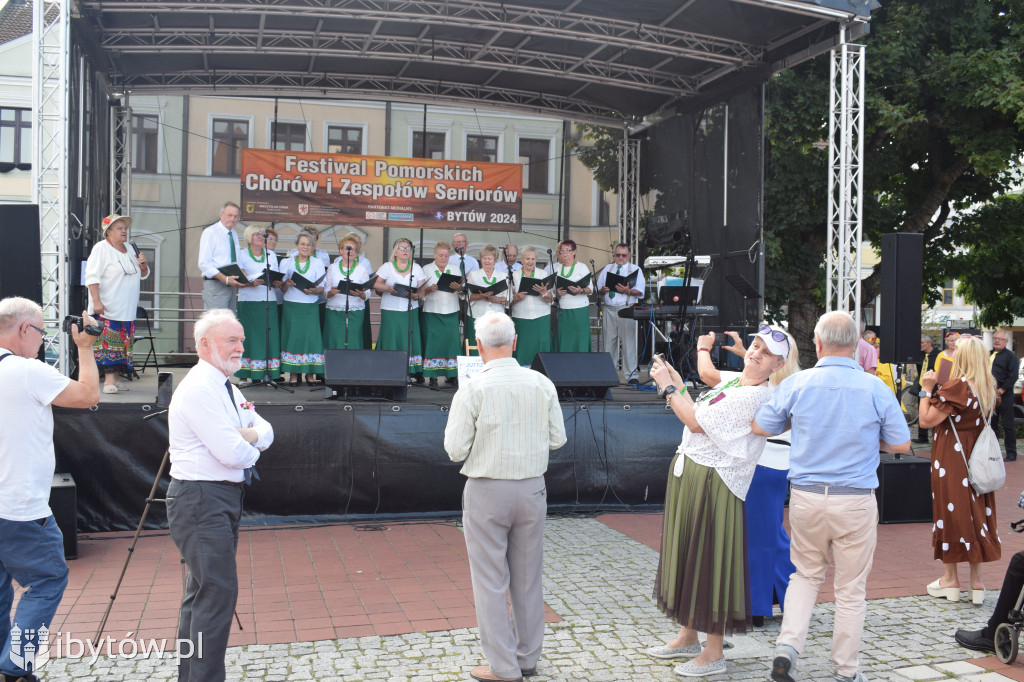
(503, 423)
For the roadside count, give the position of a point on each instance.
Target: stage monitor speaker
(579, 376)
(22, 273)
(902, 270)
(904, 492)
(64, 505)
(366, 373)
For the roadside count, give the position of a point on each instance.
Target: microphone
(135, 247)
(348, 247)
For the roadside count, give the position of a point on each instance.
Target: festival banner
(350, 189)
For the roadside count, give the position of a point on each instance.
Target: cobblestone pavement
(599, 582)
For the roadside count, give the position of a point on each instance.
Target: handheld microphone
(135, 247)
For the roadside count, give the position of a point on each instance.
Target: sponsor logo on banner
(29, 647)
(376, 215)
(438, 215)
(249, 208)
(303, 209)
(404, 217)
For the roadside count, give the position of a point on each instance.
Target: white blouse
(479, 307)
(575, 273)
(440, 302)
(253, 270)
(120, 279)
(531, 307)
(389, 274)
(727, 444)
(313, 273)
(335, 277)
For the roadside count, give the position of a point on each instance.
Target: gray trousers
(219, 295)
(615, 332)
(203, 518)
(504, 527)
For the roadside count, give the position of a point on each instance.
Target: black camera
(92, 329)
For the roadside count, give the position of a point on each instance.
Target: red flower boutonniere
(247, 405)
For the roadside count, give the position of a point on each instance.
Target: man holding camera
(31, 544)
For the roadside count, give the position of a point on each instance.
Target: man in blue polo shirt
(840, 418)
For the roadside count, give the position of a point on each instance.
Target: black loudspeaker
(64, 505)
(366, 373)
(904, 492)
(902, 266)
(22, 272)
(578, 376)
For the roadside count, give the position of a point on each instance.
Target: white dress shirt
(621, 299)
(214, 249)
(501, 267)
(471, 263)
(120, 279)
(504, 422)
(205, 444)
(531, 307)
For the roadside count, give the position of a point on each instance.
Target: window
(481, 148)
(290, 137)
(16, 136)
(344, 140)
(435, 145)
(947, 292)
(229, 137)
(145, 134)
(533, 154)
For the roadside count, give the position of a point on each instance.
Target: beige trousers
(845, 527)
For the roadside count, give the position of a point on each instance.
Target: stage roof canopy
(596, 60)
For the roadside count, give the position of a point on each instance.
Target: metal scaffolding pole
(846, 174)
(121, 158)
(629, 192)
(50, 37)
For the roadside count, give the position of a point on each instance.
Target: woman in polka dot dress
(964, 527)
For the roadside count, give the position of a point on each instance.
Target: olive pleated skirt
(702, 573)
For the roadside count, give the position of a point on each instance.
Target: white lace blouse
(727, 444)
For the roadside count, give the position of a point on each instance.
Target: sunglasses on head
(774, 333)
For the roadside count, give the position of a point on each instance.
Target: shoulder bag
(986, 471)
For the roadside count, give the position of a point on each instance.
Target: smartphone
(164, 389)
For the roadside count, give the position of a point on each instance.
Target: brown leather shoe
(484, 674)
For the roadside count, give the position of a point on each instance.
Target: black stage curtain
(332, 462)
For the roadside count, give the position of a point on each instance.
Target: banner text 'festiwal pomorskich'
(350, 189)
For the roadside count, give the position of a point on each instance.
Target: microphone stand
(558, 303)
(463, 295)
(408, 308)
(600, 306)
(348, 290)
(268, 380)
(511, 284)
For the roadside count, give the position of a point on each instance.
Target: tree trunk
(803, 315)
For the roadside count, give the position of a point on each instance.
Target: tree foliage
(990, 249)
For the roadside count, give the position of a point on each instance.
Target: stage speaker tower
(902, 271)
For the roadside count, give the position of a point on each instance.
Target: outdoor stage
(334, 460)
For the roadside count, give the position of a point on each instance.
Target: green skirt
(256, 353)
(574, 331)
(394, 335)
(334, 329)
(302, 344)
(470, 335)
(532, 337)
(702, 573)
(440, 344)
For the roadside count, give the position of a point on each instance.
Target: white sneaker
(671, 652)
(691, 669)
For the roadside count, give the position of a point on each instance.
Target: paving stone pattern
(599, 582)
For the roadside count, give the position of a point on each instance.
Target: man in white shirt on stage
(503, 423)
(460, 257)
(219, 246)
(216, 437)
(31, 544)
(510, 258)
(619, 332)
